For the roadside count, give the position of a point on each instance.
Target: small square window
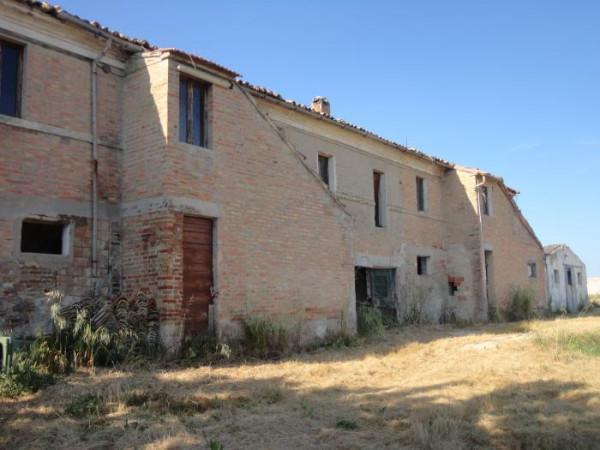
(422, 265)
(532, 270)
(44, 237)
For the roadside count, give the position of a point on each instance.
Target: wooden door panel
(197, 273)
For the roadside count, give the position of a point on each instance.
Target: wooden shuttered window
(193, 112)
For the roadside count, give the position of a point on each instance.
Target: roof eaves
(268, 94)
(553, 248)
(195, 59)
(520, 215)
(135, 44)
(59, 13)
(497, 178)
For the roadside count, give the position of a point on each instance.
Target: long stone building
(126, 167)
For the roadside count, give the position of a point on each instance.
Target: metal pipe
(481, 240)
(94, 125)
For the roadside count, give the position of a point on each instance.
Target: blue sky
(512, 87)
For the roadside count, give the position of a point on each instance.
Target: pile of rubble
(138, 314)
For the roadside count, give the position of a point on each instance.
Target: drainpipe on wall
(481, 241)
(94, 95)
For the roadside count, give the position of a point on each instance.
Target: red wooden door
(197, 273)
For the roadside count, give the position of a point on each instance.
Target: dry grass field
(524, 385)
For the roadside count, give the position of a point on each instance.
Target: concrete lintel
(377, 261)
(56, 131)
(165, 203)
(14, 206)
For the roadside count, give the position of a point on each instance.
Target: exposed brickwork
(43, 174)
(284, 246)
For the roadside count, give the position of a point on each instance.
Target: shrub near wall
(521, 305)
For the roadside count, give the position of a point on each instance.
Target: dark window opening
(422, 265)
(42, 237)
(579, 279)
(532, 270)
(381, 283)
(420, 194)
(377, 176)
(360, 285)
(452, 288)
(375, 288)
(569, 277)
(324, 168)
(10, 78)
(192, 112)
(556, 276)
(485, 200)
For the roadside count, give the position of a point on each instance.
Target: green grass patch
(584, 343)
(264, 337)
(24, 377)
(87, 405)
(587, 344)
(344, 424)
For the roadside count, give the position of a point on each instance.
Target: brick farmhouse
(125, 168)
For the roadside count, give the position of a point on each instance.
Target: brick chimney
(321, 105)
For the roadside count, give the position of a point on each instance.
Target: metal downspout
(94, 95)
(481, 243)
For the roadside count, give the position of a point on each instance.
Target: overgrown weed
(521, 306)
(369, 320)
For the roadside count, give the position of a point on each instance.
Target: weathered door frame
(214, 292)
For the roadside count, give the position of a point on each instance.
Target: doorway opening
(376, 288)
(489, 281)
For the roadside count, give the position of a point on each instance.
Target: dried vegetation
(517, 385)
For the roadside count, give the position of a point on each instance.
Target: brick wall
(282, 243)
(285, 247)
(447, 232)
(46, 171)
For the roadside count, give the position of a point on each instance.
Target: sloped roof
(510, 195)
(59, 13)
(553, 248)
(275, 96)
